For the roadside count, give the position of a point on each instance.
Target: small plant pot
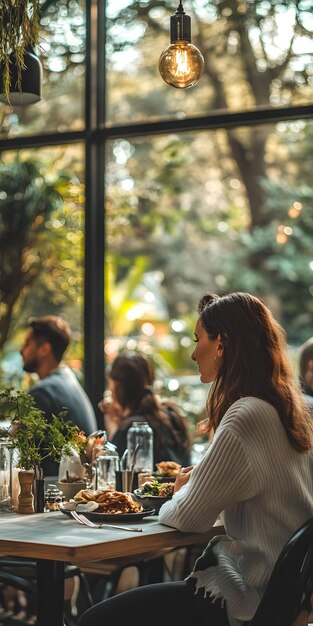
(71, 489)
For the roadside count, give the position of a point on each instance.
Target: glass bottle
(140, 434)
(5, 475)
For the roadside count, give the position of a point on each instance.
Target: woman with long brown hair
(131, 380)
(255, 366)
(257, 473)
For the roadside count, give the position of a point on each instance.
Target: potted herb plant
(28, 431)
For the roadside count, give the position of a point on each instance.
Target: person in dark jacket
(58, 388)
(306, 372)
(131, 383)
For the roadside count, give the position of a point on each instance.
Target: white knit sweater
(264, 490)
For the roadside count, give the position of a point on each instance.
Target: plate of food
(154, 494)
(106, 505)
(166, 471)
(94, 516)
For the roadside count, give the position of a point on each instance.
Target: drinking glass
(106, 467)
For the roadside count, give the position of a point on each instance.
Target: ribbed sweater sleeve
(222, 478)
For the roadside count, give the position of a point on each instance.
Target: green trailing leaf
(19, 30)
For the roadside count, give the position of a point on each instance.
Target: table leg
(50, 593)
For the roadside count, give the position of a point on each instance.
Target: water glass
(106, 467)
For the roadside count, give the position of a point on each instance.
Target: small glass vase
(5, 475)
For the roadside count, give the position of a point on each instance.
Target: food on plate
(109, 501)
(168, 468)
(163, 490)
(69, 506)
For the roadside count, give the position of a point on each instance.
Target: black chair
(20, 574)
(290, 587)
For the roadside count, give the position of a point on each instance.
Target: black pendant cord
(180, 25)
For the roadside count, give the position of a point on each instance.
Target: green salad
(155, 488)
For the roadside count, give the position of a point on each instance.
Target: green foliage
(245, 67)
(31, 433)
(27, 201)
(39, 217)
(201, 240)
(276, 260)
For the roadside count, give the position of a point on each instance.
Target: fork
(87, 522)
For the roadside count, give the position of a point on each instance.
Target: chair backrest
(290, 587)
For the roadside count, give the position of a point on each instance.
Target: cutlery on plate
(87, 522)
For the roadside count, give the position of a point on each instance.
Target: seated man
(306, 371)
(58, 388)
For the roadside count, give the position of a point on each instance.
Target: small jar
(140, 434)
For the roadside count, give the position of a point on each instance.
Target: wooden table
(53, 539)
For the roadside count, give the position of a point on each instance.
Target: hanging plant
(19, 31)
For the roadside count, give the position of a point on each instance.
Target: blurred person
(257, 474)
(58, 389)
(306, 371)
(131, 380)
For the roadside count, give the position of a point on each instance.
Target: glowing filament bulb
(181, 64)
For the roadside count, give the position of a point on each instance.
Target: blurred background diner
(57, 388)
(131, 380)
(306, 371)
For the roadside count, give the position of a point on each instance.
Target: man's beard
(31, 366)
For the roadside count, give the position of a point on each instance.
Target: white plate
(111, 517)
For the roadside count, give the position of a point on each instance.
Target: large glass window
(62, 53)
(256, 54)
(206, 211)
(41, 247)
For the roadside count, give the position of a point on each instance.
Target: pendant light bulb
(181, 64)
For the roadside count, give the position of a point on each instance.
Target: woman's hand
(182, 477)
(112, 416)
